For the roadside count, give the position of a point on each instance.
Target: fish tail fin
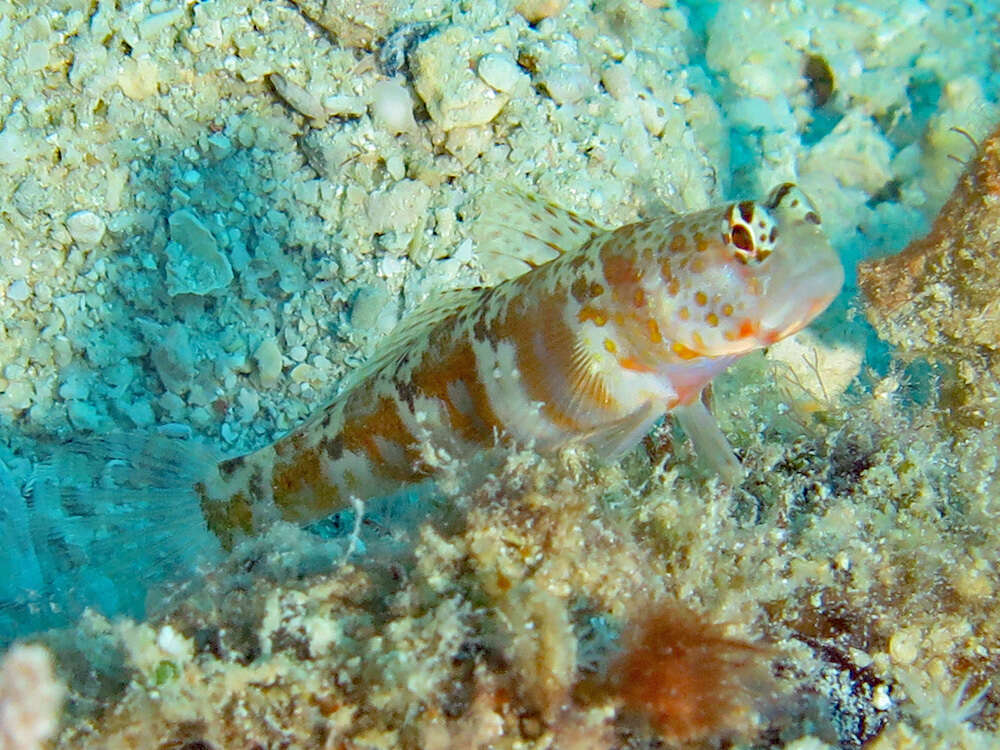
(100, 523)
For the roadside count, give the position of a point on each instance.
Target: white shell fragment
(194, 263)
(297, 97)
(86, 228)
(500, 71)
(392, 107)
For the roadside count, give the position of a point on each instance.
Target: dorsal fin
(517, 231)
(412, 328)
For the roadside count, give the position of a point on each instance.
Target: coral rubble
(854, 575)
(940, 296)
(30, 698)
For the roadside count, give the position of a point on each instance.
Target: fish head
(746, 275)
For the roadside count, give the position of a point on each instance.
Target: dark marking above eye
(743, 239)
(746, 211)
(779, 194)
(774, 235)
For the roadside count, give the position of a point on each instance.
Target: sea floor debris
(939, 297)
(846, 593)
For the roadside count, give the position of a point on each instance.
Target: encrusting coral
(940, 296)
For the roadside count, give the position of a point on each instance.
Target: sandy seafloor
(212, 211)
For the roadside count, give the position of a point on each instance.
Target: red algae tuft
(688, 679)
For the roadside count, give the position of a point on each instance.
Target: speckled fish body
(593, 346)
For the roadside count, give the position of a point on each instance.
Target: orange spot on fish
(596, 317)
(654, 332)
(610, 346)
(684, 352)
(771, 337)
(619, 271)
(747, 328)
(666, 273)
(633, 365)
(380, 417)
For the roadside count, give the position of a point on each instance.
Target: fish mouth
(802, 282)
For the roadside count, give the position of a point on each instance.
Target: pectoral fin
(709, 442)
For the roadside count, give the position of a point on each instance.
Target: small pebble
(173, 359)
(86, 228)
(535, 10)
(619, 82)
(500, 71)
(398, 208)
(219, 145)
(567, 83)
(302, 373)
(368, 303)
(83, 416)
(18, 291)
(392, 107)
(37, 56)
(141, 413)
(881, 700)
(17, 395)
(344, 106)
(153, 25)
(249, 403)
(268, 357)
(297, 97)
(174, 430)
(194, 263)
(396, 167)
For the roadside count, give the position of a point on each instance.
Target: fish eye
(749, 231)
